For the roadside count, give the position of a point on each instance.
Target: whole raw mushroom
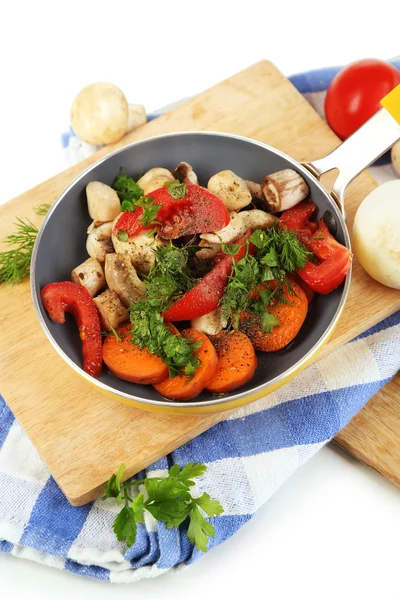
(100, 114)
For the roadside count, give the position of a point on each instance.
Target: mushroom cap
(99, 114)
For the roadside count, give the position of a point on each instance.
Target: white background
(332, 530)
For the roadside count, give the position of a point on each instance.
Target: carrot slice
(129, 362)
(306, 288)
(237, 361)
(290, 316)
(185, 388)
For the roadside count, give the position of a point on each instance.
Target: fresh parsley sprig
(15, 263)
(168, 499)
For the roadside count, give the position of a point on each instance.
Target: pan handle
(361, 149)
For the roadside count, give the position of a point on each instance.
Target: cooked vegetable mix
(165, 250)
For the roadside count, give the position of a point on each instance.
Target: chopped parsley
(170, 277)
(277, 253)
(176, 189)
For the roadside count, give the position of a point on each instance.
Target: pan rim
(219, 401)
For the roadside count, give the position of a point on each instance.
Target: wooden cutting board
(82, 435)
(373, 435)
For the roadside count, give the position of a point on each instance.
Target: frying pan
(60, 245)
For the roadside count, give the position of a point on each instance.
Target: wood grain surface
(373, 435)
(82, 435)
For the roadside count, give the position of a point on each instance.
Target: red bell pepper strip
(61, 297)
(205, 296)
(199, 211)
(334, 258)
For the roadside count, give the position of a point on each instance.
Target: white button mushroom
(376, 234)
(90, 275)
(154, 179)
(185, 174)
(122, 279)
(99, 242)
(100, 114)
(232, 190)
(279, 191)
(257, 219)
(211, 323)
(103, 202)
(111, 310)
(140, 249)
(235, 228)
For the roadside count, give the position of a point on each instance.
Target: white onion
(376, 234)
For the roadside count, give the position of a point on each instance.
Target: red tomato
(65, 296)
(169, 207)
(355, 93)
(205, 213)
(334, 258)
(205, 296)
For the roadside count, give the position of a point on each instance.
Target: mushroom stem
(283, 189)
(254, 189)
(136, 117)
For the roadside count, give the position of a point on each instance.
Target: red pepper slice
(61, 297)
(205, 296)
(206, 213)
(334, 258)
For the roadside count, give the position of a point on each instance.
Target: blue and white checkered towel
(248, 456)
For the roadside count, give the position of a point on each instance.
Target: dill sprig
(15, 263)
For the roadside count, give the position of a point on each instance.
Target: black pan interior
(62, 244)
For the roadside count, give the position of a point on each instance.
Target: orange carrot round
(186, 388)
(129, 362)
(306, 288)
(237, 361)
(290, 316)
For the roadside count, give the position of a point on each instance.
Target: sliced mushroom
(140, 250)
(111, 310)
(211, 323)
(232, 190)
(122, 278)
(103, 202)
(99, 242)
(284, 189)
(154, 179)
(90, 275)
(279, 191)
(235, 228)
(185, 174)
(257, 219)
(209, 250)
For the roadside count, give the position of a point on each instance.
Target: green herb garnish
(169, 499)
(15, 263)
(127, 190)
(122, 235)
(150, 211)
(176, 189)
(170, 277)
(113, 332)
(277, 253)
(132, 197)
(42, 209)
